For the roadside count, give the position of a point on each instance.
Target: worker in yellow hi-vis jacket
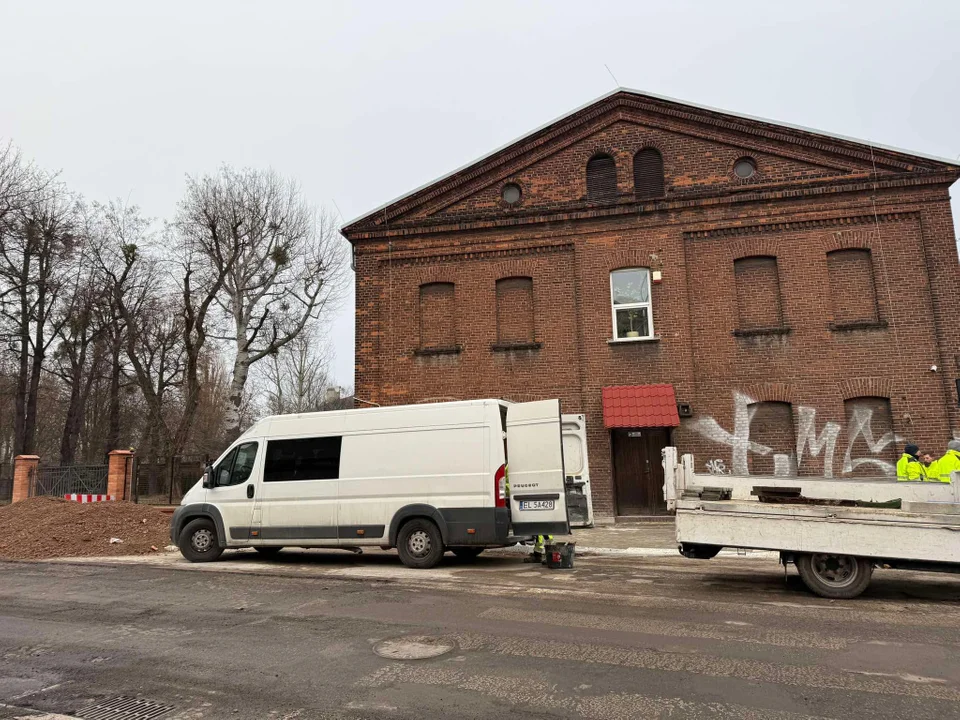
(538, 540)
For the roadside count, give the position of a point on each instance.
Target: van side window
(223, 469)
(236, 467)
(303, 459)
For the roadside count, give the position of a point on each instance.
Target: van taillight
(500, 486)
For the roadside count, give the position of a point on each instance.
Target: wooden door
(638, 472)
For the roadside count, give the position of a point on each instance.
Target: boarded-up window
(515, 317)
(648, 174)
(870, 447)
(771, 425)
(438, 319)
(852, 289)
(758, 293)
(601, 178)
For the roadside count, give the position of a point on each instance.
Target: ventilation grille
(124, 708)
(648, 174)
(602, 178)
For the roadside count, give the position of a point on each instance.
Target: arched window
(515, 316)
(758, 293)
(438, 317)
(852, 289)
(602, 177)
(648, 173)
(630, 304)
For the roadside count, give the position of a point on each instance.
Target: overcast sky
(362, 102)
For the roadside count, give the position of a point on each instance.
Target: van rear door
(535, 469)
(577, 467)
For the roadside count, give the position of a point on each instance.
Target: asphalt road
(619, 637)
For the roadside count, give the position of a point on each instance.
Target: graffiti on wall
(811, 446)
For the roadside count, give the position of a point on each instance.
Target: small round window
(745, 168)
(510, 193)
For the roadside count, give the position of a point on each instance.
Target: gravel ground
(47, 527)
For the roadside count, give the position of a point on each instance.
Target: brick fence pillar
(119, 467)
(24, 466)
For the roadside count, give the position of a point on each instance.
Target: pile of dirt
(48, 527)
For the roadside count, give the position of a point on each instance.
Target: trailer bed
(878, 533)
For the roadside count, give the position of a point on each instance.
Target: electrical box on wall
(684, 410)
(657, 276)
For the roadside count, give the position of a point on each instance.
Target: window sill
(428, 351)
(507, 347)
(755, 332)
(625, 341)
(858, 325)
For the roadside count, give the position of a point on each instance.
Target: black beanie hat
(911, 450)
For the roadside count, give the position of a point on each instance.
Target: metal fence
(163, 481)
(63, 480)
(6, 482)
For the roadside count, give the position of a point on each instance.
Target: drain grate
(124, 708)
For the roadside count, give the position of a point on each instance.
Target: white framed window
(630, 304)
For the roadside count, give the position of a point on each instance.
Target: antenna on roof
(612, 75)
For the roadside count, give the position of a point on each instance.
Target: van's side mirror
(208, 476)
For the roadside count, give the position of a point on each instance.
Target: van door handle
(250, 490)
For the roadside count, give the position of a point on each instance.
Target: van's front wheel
(198, 541)
(419, 544)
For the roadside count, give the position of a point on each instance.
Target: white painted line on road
(906, 677)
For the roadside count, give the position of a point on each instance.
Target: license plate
(537, 504)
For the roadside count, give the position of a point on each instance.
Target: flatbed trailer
(834, 545)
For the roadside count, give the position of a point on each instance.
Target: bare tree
(296, 378)
(288, 264)
(37, 242)
(79, 357)
(164, 300)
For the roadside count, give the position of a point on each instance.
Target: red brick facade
(799, 314)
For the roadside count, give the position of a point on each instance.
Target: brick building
(773, 299)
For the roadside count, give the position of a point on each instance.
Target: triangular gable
(836, 154)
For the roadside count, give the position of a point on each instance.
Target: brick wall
(804, 376)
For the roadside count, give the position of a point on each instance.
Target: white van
(421, 478)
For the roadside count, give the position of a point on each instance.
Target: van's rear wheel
(466, 553)
(419, 544)
(838, 577)
(198, 541)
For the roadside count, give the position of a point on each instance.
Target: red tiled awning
(638, 406)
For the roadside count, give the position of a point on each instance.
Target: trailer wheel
(838, 577)
(699, 552)
(419, 544)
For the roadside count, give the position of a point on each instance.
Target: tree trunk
(20, 421)
(23, 372)
(113, 402)
(74, 421)
(241, 369)
(33, 387)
